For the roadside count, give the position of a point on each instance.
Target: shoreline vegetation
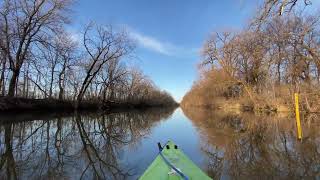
(46, 114)
(45, 66)
(262, 66)
(14, 104)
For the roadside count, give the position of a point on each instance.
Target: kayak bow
(173, 164)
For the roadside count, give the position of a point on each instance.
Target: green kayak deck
(161, 168)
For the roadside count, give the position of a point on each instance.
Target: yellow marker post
(299, 130)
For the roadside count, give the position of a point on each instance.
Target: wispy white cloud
(164, 48)
(151, 43)
(148, 42)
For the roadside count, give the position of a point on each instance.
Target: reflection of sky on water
(178, 129)
(91, 145)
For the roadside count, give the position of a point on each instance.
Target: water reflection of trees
(246, 146)
(78, 146)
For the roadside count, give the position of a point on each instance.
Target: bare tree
(272, 8)
(102, 44)
(26, 23)
(283, 53)
(114, 75)
(57, 53)
(39, 59)
(67, 51)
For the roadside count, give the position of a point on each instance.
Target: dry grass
(212, 91)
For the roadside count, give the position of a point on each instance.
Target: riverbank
(239, 105)
(257, 103)
(13, 104)
(24, 116)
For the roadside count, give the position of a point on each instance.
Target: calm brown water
(122, 145)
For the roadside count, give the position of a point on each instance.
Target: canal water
(121, 145)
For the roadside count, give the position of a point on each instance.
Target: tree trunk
(2, 81)
(27, 76)
(24, 81)
(61, 92)
(61, 82)
(279, 73)
(279, 65)
(318, 75)
(111, 95)
(51, 83)
(104, 92)
(13, 83)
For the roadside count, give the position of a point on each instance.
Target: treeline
(41, 59)
(264, 64)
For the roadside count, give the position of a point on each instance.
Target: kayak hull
(162, 170)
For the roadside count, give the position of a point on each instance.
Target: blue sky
(169, 33)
